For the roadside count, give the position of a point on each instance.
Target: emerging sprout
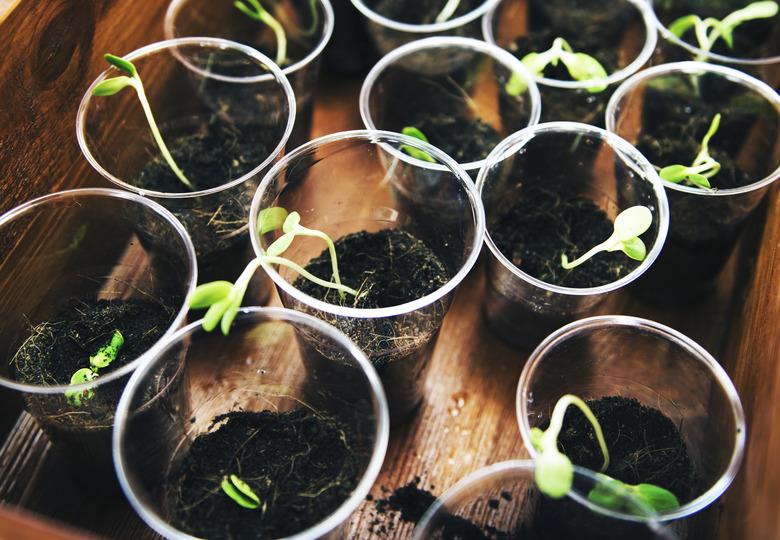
(109, 87)
(416, 153)
(710, 30)
(223, 299)
(447, 11)
(257, 12)
(554, 474)
(554, 471)
(629, 225)
(240, 492)
(581, 67)
(101, 359)
(703, 168)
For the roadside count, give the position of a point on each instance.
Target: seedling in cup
(132, 79)
(703, 167)
(412, 131)
(254, 10)
(554, 473)
(581, 67)
(241, 493)
(101, 359)
(223, 299)
(708, 31)
(628, 226)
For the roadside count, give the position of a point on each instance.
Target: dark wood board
(53, 51)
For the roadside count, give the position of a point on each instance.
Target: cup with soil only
(406, 233)
(224, 110)
(308, 438)
(77, 267)
(756, 43)
(556, 189)
(502, 501)
(392, 23)
(669, 412)
(665, 112)
(307, 24)
(450, 88)
(620, 34)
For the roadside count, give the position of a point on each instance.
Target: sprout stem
(259, 13)
(447, 11)
(550, 438)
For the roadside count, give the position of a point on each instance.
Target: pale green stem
(139, 89)
(281, 37)
(556, 423)
(604, 246)
(304, 231)
(306, 274)
(447, 11)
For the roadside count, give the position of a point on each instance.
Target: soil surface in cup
(464, 139)
(59, 347)
(751, 39)
(419, 11)
(644, 445)
(299, 464)
(546, 223)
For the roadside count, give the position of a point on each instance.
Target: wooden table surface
(53, 50)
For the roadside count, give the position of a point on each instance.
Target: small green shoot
(708, 31)
(447, 11)
(703, 168)
(412, 131)
(240, 492)
(223, 299)
(315, 20)
(629, 225)
(554, 471)
(101, 359)
(615, 495)
(109, 87)
(254, 10)
(581, 67)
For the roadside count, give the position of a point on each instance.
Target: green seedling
(629, 225)
(708, 31)
(101, 359)
(416, 153)
(223, 299)
(254, 10)
(315, 19)
(581, 67)
(447, 11)
(554, 474)
(703, 168)
(109, 87)
(240, 492)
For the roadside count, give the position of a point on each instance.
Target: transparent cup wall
(502, 501)
(359, 181)
(196, 87)
(463, 79)
(389, 34)
(308, 25)
(624, 27)
(659, 367)
(84, 245)
(704, 224)
(762, 63)
(260, 366)
(577, 159)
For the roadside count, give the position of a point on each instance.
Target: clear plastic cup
(197, 88)
(673, 49)
(85, 245)
(262, 365)
(632, 35)
(308, 27)
(360, 181)
(389, 34)
(659, 367)
(461, 78)
(576, 158)
(503, 498)
(704, 224)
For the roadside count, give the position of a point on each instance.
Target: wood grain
(467, 419)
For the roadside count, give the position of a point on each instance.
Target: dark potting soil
(418, 11)
(644, 445)
(463, 139)
(545, 223)
(59, 347)
(299, 464)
